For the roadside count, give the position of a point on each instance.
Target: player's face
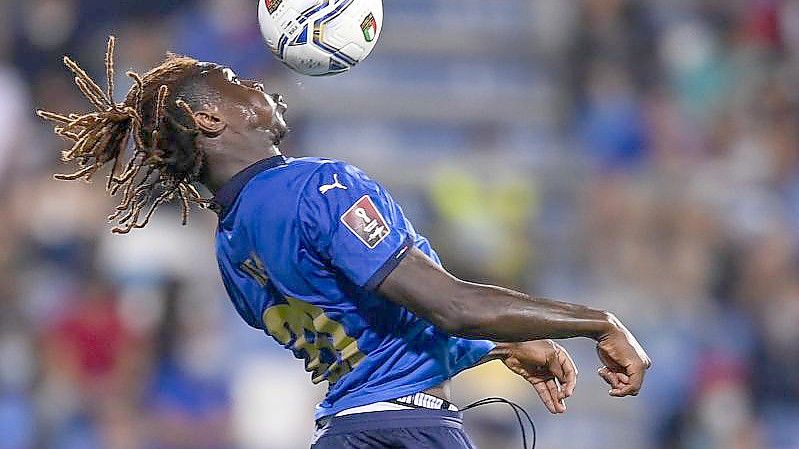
(248, 103)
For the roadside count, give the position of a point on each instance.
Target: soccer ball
(321, 37)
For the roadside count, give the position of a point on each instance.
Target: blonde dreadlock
(164, 161)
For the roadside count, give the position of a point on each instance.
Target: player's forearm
(503, 315)
(483, 311)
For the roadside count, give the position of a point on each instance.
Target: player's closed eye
(253, 85)
(231, 76)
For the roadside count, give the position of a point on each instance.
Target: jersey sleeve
(354, 224)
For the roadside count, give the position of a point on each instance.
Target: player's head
(175, 122)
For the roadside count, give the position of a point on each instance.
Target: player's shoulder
(334, 187)
(325, 165)
(322, 172)
(296, 174)
(298, 180)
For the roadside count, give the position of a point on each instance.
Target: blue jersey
(302, 245)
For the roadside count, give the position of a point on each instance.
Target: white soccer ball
(321, 37)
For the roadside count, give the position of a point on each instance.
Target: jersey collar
(227, 194)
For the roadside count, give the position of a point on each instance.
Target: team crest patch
(366, 222)
(272, 5)
(369, 27)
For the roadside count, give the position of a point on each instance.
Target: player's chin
(279, 131)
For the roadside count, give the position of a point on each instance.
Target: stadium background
(639, 156)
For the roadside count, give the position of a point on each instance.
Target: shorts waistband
(418, 400)
(389, 420)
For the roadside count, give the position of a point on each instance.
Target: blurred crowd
(636, 155)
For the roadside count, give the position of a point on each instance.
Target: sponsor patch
(366, 222)
(272, 5)
(369, 27)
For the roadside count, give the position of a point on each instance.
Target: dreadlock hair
(148, 140)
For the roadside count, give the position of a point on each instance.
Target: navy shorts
(401, 429)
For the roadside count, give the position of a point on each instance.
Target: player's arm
(478, 311)
(487, 312)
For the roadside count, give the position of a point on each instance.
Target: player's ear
(210, 123)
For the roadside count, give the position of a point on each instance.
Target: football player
(321, 257)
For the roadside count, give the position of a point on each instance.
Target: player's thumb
(612, 358)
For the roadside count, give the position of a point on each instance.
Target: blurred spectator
(91, 370)
(187, 401)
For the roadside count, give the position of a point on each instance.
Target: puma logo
(336, 185)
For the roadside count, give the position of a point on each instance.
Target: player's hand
(548, 368)
(625, 361)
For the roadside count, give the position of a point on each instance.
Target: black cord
(501, 401)
(517, 409)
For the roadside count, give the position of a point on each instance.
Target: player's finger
(615, 384)
(557, 370)
(554, 389)
(618, 392)
(543, 393)
(608, 376)
(632, 387)
(569, 371)
(626, 390)
(546, 397)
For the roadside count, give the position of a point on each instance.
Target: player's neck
(222, 166)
